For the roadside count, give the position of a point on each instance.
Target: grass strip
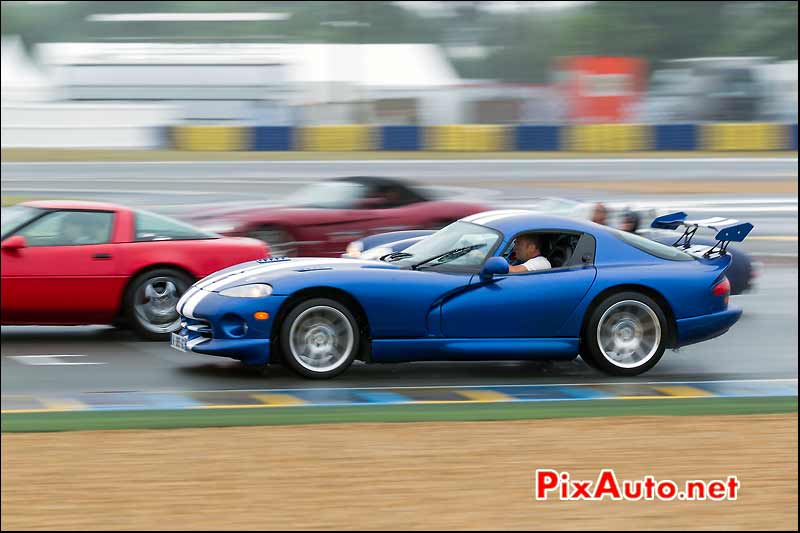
(226, 417)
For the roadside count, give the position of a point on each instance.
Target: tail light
(722, 288)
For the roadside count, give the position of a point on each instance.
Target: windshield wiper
(395, 255)
(450, 255)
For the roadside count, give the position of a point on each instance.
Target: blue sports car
(616, 299)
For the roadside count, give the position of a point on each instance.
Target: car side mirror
(495, 266)
(15, 242)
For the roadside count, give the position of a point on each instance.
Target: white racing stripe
(194, 342)
(494, 218)
(266, 269)
(211, 278)
(186, 295)
(705, 221)
(476, 218)
(189, 302)
(713, 223)
(253, 269)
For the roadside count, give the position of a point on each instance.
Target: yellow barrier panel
(345, 138)
(608, 137)
(442, 138)
(744, 136)
(211, 138)
(467, 138)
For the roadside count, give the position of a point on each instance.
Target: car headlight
(354, 249)
(254, 290)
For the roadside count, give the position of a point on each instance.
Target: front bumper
(225, 327)
(704, 327)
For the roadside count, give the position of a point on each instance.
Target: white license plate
(178, 342)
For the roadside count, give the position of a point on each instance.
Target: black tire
(622, 310)
(165, 296)
(589, 361)
(299, 316)
(281, 242)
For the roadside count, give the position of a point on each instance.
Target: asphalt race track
(96, 358)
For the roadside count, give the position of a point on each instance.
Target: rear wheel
(281, 243)
(150, 301)
(626, 334)
(320, 338)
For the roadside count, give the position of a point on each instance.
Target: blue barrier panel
(536, 137)
(164, 137)
(792, 137)
(675, 137)
(272, 138)
(400, 138)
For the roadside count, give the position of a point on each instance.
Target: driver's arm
(517, 268)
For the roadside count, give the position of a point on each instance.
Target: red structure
(600, 89)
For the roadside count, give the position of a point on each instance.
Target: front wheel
(626, 334)
(320, 338)
(150, 301)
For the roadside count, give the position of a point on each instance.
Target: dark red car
(321, 219)
(70, 263)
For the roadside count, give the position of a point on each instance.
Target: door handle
(101, 256)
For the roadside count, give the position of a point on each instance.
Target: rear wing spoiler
(728, 230)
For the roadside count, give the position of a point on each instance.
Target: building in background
(739, 89)
(36, 112)
(274, 84)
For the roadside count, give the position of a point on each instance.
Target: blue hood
(276, 269)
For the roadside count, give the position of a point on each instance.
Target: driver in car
(527, 251)
(76, 229)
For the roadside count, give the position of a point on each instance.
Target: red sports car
(321, 219)
(70, 263)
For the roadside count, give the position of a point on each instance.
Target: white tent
(247, 80)
(22, 81)
(393, 65)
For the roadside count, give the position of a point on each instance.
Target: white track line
(51, 360)
(418, 161)
(774, 380)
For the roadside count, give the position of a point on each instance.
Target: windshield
(455, 236)
(153, 227)
(16, 216)
(327, 195)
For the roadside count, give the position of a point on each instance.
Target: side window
(153, 227)
(584, 252)
(69, 228)
(560, 249)
(393, 196)
(398, 196)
